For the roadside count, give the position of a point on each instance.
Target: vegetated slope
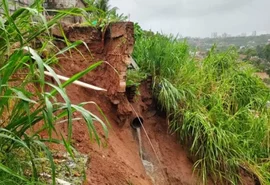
(217, 107)
(224, 43)
(120, 163)
(38, 108)
(207, 107)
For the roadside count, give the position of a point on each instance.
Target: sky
(198, 18)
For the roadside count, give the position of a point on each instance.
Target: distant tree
(267, 52)
(267, 71)
(250, 52)
(104, 6)
(260, 51)
(264, 52)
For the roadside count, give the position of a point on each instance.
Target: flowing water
(140, 141)
(149, 167)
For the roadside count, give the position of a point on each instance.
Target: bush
(24, 100)
(216, 106)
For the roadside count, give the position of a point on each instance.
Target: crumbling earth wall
(120, 161)
(114, 46)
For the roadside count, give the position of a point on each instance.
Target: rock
(62, 182)
(149, 167)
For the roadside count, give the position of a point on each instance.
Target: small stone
(149, 167)
(76, 174)
(115, 102)
(62, 182)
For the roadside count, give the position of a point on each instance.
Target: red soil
(119, 163)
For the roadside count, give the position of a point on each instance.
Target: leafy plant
(24, 99)
(138, 31)
(216, 106)
(134, 77)
(99, 13)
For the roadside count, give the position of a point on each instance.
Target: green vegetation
(99, 13)
(104, 5)
(134, 77)
(203, 44)
(259, 57)
(264, 52)
(216, 106)
(24, 100)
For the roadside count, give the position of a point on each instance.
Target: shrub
(24, 100)
(216, 106)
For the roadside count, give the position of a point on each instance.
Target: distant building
(254, 33)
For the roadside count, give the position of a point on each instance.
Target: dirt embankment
(119, 162)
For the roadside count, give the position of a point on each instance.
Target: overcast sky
(198, 18)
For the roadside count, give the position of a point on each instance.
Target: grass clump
(133, 81)
(135, 77)
(24, 100)
(217, 106)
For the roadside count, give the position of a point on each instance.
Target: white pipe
(77, 82)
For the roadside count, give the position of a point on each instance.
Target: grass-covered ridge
(217, 106)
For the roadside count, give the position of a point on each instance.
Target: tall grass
(216, 106)
(24, 101)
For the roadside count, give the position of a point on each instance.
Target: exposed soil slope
(119, 162)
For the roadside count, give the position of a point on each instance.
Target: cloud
(198, 17)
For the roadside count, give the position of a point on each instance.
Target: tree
(267, 52)
(250, 52)
(104, 6)
(260, 51)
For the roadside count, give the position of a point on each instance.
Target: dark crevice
(131, 93)
(136, 122)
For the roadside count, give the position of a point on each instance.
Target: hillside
(100, 101)
(205, 44)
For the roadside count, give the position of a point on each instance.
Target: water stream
(149, 167)
(140, 141)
